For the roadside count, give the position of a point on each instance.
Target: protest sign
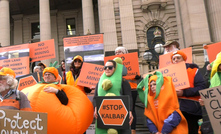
(113, 112)
(26, 81)
(180, 78)
(130, 61)
(213, 50)
(165, 59)
(90, 75)
(33, 78)
(89, 47)
(212, 102)
(42, 50)
(22, 122)
(16, 58)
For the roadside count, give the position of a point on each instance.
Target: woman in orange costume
(161, 105)
(72, 75)
(73, 118)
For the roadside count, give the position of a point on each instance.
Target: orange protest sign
(165, 59)
(213, 50)
(113, 112)
(42, 50)
(26, 82)
(8, 51)
(130, 61)
(90, 75)
(178, 73)
(15, 57)
(19, 65)
(83, 40)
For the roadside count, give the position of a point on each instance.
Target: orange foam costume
(167, 100)
(73, 118)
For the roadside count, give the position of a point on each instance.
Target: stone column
(194, 22)
(45, 20)
(214, 15)
(88, 16)
(18, 30)
(129, 38)
(54, 33)
(45, 23)
(108, 24)
(4, 23)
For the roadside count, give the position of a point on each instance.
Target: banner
(22, 122)
(165, 59)
(90, 47)
(113, 112)
(212, 102)
(90, 75)
(213, 50)
(178, 73)
(42, 50)
(16, 58)
(130, 61)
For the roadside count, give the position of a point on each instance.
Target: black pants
(134, 97)
(192, 121)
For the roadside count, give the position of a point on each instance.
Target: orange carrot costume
(167, 100)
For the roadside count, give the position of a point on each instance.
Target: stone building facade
(123, 23)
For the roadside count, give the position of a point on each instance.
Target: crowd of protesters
(167, 109)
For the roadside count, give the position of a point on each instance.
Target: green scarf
(143, 95)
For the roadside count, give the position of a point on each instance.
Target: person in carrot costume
(161, 105)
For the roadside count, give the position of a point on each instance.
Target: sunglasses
(108, 67)
(79, 61)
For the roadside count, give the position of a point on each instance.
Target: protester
(50, 74)
(215, 80)
(37, 69)
(42, 65)
(188, 98)
(161, 105)
(121, 50)
(111, 82)
(75, 70)
(9, 96)
(171, 46)
(63, 72)
(133, 85)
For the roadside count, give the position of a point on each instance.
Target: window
(35, 31)
(70, 26)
